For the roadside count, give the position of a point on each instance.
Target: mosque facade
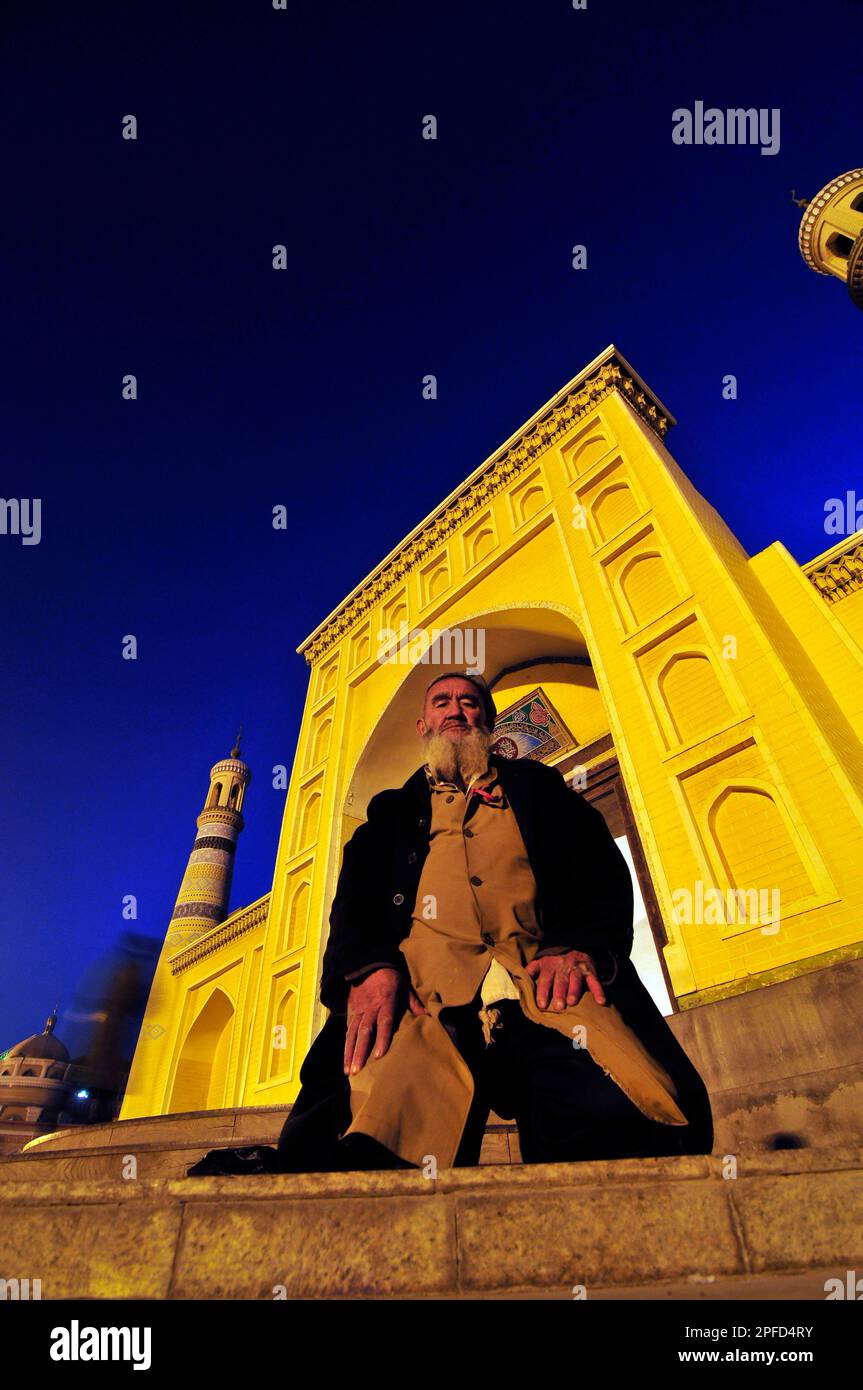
(709, 702)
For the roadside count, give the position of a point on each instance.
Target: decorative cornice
(236, 925)
(813, 212)
(838, 572)
(613, 373)
(12, 1081)
(232, 765)
(221, 815)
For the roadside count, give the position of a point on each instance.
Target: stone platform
(166, 1145)
(73, 1215)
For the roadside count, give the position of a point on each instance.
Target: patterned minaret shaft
(206, 888)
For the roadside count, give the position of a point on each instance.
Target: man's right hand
(375, 1008)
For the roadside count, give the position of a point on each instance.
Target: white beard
(465, 754)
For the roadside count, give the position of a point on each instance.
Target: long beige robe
(476, 903)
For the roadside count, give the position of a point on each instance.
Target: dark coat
(584, 902)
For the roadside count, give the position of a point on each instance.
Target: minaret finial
(799, 202)
(235, 751)
(51, 1021)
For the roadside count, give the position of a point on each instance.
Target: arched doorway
(199, 1082)
(550, 707)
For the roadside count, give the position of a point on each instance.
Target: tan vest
(475, 905)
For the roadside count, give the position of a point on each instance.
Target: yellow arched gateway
(710, 702)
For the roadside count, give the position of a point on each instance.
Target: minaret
(206, 888)
(831, 232)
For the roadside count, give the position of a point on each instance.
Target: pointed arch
(199, 1081)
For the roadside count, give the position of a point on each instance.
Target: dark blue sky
(256, 388)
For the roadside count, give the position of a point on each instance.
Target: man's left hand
(562, 978)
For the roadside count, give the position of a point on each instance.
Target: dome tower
(831, 232)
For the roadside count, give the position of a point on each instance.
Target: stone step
(209, 1127)
(194, 1125)
(600, 1229)
(170, 1158)
(153, 1160)
(168, 1144)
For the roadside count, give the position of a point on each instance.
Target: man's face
(451, 707)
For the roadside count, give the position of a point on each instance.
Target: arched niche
(199, 1081)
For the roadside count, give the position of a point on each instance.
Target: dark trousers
(565, 1106)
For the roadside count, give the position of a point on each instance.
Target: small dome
(41, 1045)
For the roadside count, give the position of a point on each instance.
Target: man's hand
(563, 977)
(375, 1007)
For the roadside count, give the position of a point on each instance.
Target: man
(478, 959)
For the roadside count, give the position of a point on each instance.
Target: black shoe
(362, 1152)
(256, 1159)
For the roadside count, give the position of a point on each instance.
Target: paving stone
(590, 1235)
(330, 1248)
(96, 1250)
(798, 1220)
